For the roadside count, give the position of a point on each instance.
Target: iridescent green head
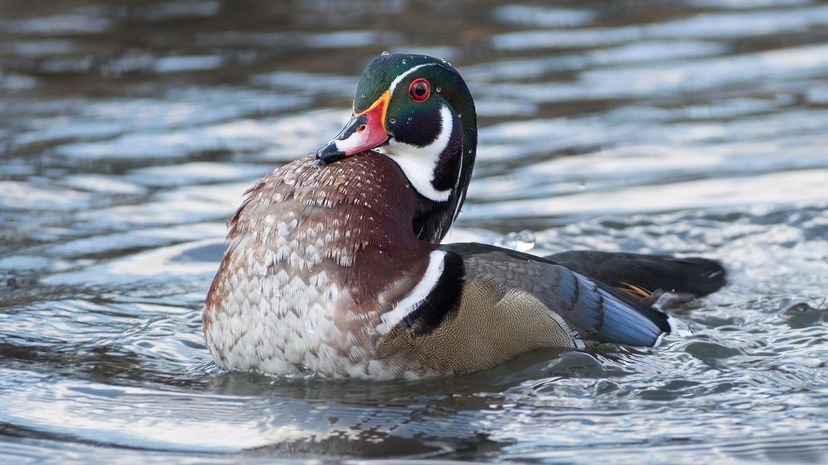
(418, 111)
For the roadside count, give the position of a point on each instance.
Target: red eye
(419, 90)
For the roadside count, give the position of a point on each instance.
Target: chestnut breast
(316, 254)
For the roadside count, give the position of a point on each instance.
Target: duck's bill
(364, 131)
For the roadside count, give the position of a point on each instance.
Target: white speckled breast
(313, 261)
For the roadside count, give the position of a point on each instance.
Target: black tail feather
(647, 273)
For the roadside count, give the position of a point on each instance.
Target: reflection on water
(129, 131)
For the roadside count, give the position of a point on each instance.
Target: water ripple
(129, 132)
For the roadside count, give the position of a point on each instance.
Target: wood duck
(335, 268)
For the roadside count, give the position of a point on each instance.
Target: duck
(335, 265)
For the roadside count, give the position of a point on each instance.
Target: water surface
(129, 131)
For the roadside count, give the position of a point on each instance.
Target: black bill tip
(329, 154)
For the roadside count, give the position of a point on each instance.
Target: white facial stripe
(402, 76)
(457, 186)
(436, 263)
(418, 163)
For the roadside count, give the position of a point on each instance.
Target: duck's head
(418, 111)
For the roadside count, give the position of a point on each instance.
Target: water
(129, 131)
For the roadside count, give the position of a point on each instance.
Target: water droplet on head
(459, 115)
(404, 62)
(385, 53)
(392, 121)
(439, 89)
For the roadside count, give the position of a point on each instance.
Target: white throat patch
(418, 163)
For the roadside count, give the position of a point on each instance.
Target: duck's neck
(452, 172)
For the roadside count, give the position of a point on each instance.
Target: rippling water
(129, 130)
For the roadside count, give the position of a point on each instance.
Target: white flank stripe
(407, 305)
(418, 163)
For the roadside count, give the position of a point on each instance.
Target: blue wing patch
(616, 318)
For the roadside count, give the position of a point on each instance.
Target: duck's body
(311, 261)
(336, 268)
